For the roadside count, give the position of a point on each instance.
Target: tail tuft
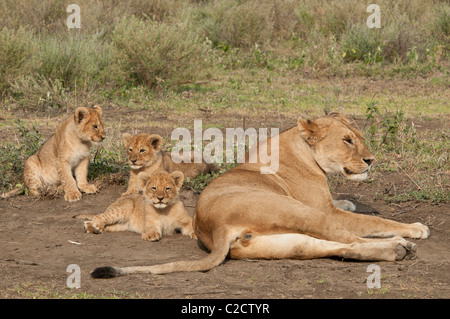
(107, 272)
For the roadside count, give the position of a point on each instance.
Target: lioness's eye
(95, 126)
(141, 150)
(167, 188)
(130, 149)
(153, 188)
(348, 140)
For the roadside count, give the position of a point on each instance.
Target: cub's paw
(192, 235)
(130, 192)
(72, 196)
(89, 188)
(152, 236)
(93, 228)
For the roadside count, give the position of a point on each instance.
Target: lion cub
(145, 155)
(155, 212)
(66, 150)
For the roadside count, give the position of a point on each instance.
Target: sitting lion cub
(155, 212)
(66, 150)
(145, 155)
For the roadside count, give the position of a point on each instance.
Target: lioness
(66, 150)
(145, 155)
(290, 213)
(156, 212)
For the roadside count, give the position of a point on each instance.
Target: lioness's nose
(133, 161)
(160, 198)
(368, 161)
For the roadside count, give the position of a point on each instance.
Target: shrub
(157, 54)
(16, 48)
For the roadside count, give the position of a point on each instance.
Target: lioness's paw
(420, 231)
(72, 196)
(405, 250)
(345, 205)
(89, 189)
(152, 236)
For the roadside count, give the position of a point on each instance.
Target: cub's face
(160, 189)
(89, 124)
(141, 149)
(337, 147)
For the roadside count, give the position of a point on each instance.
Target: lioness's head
(337, 146)
(141, 148)
(160, 189)
(89, 124)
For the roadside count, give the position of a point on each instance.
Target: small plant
(14, 154)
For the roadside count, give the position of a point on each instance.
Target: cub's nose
(160, 198)
(133, 161)
(368, 161)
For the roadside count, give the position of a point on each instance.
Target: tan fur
(155, 212)
(145, 155)
(290, 214)
(66, 150)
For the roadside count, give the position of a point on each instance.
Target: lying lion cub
(155, 212)
(66, 150)
(145, 155)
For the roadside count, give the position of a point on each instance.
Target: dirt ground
(39, 239)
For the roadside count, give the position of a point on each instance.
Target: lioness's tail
(215, 258)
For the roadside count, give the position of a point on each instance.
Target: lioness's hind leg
(299, 246)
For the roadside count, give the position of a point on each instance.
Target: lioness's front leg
(71, 192)
(81, 172)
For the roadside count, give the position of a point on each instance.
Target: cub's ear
(142, 180)
(98, 109)
(310, 131)
(155, 141)
(126, 139)
(80, 114)
(178, 178)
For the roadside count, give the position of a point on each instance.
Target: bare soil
(39, 238)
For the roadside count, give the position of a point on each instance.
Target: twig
(420, 188)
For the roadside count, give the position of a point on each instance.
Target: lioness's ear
(178, 178)
(142, 180)
(309, 131)
(98, 109)
(155, 141)
(339, 116)
(126, 139)
(80, 114)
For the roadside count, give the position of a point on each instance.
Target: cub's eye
(167, 189)
(153, 188)
(130, 149)
(141, 150)
(95, 127)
